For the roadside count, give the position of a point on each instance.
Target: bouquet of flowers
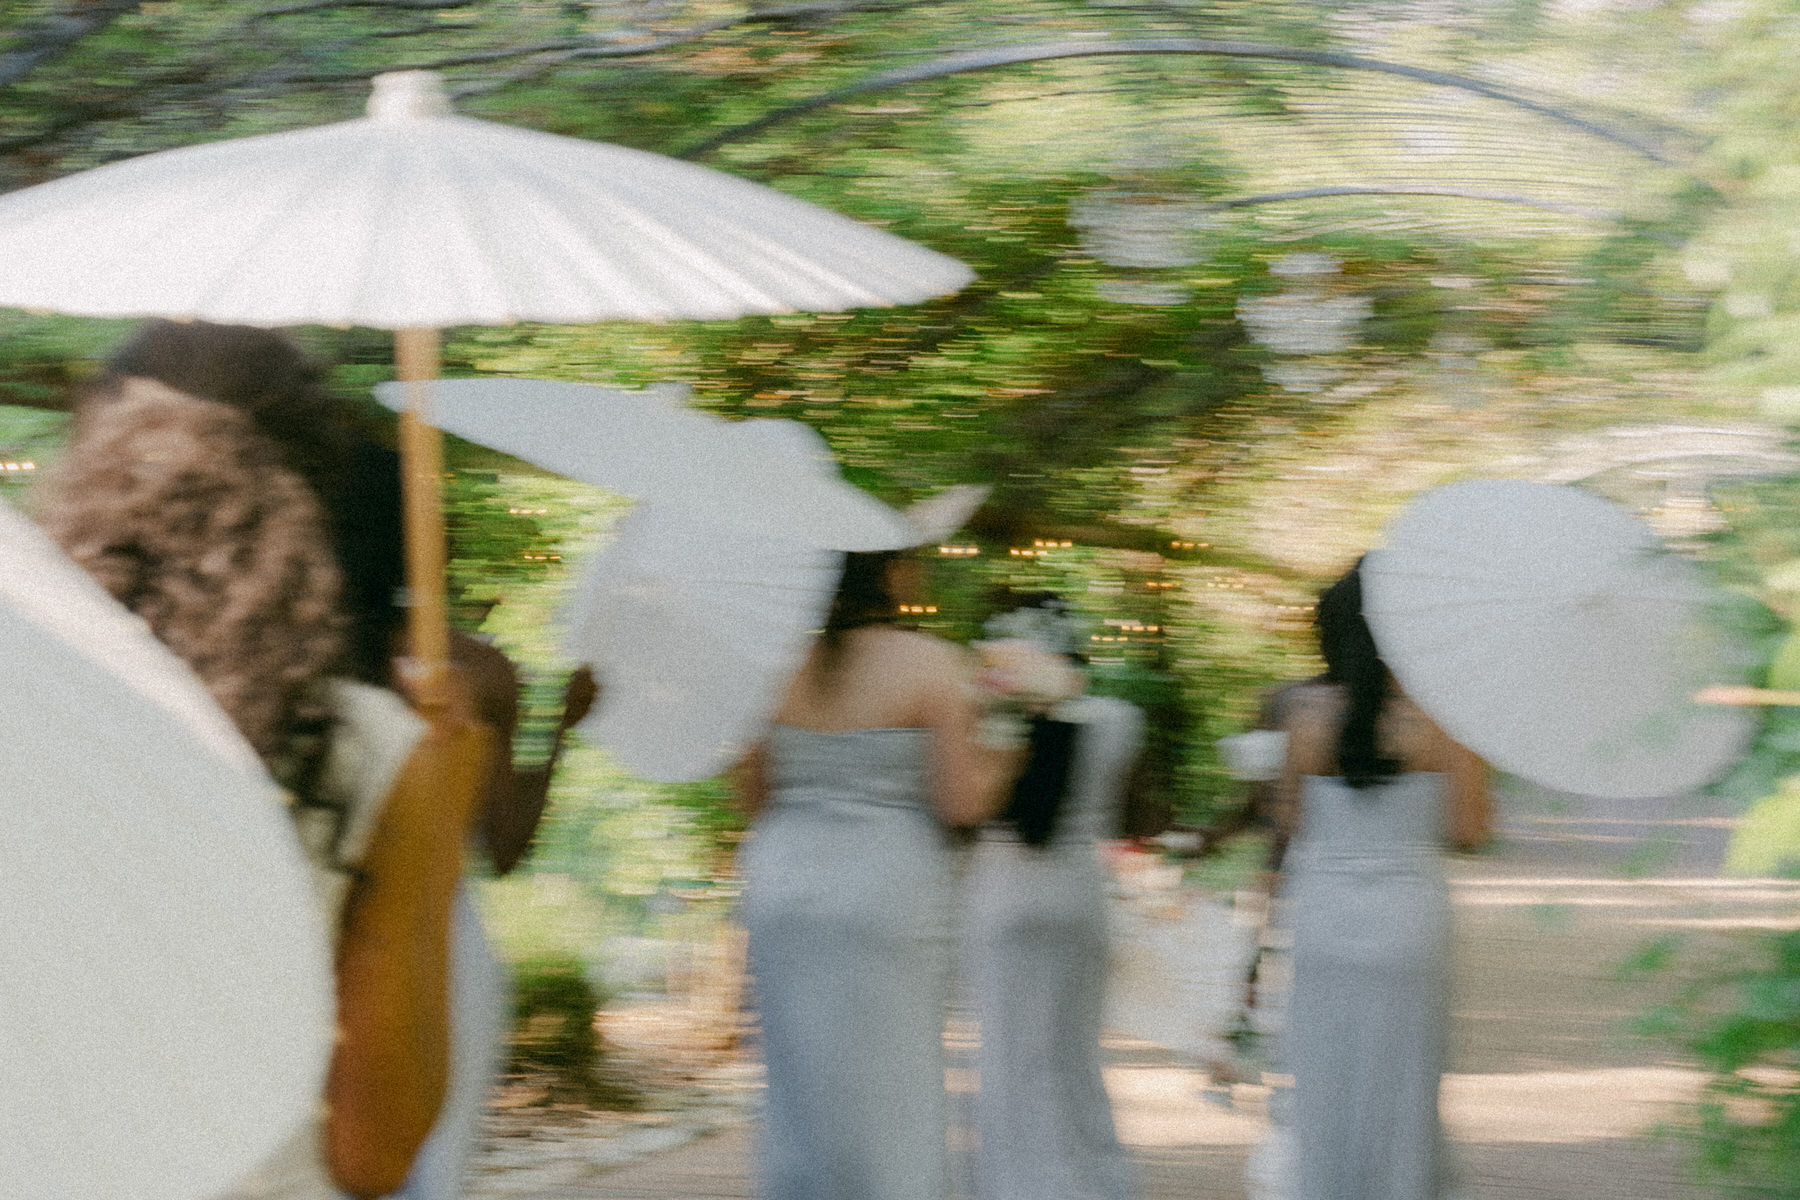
(1018, 679)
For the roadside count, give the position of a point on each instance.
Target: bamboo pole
(1748, 696)
(422, 465)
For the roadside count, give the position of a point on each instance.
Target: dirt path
(1549, 1095)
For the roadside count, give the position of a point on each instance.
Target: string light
(1190, 545)
(1131, 625)
(9, 465)
(919, 609)
(960, 551)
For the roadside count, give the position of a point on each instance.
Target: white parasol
(165, 981)
(695, 630)
(759, 477)
(1551, 632)
(413, 219)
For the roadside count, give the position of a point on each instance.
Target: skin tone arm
(969, 780)
(513, 798)
(1470, 801)
(388, 1071)
(750, 781)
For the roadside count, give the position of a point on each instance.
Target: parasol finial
(408, 95)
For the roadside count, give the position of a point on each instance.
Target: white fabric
(761, 477)
(418, 219)
(695, 634)
(479, 1011)
(1256, 755)
(165, 980)
(374, 734)
(696, 630)
(1552, 633)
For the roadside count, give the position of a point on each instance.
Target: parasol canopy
(759, 477)
(165, 977)
(1552, 633)
(696, 630)
(412, 218)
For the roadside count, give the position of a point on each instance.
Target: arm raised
(389, 1069)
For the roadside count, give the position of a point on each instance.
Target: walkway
(1549, 1095)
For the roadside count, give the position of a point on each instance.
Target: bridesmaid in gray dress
(1380, 789)
(871, 759)
(1037, 954)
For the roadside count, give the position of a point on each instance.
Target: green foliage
(1118, 403)
(29, 442)
(554, 1037)
(1744, 1027)
(1741, 1020)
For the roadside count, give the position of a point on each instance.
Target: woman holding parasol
(201, 517)
(1374, 791)
(263, 373)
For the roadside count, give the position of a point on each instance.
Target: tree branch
(288, 10)
(455, 60)
(991, 57)
(551, 55)
(1454, 193)
(59, 35)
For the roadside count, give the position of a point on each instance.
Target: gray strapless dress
(1036, 964)
(847, 894)
(1366, 1021)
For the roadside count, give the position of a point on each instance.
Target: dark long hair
(1035, 806)
(254, 505)
(259, 372)
(183, 510)
(1354, 664)
(268, 377)
(863, 598)
(1036, 803)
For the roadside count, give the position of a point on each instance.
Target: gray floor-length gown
(1037, 955)
(1367, 1016)
(847, 903)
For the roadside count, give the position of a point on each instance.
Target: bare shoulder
(1311, 714)
(1308, 707)
(491, 675)
(907, 649)
(1419, 741)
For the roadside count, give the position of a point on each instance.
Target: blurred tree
(1196, 269)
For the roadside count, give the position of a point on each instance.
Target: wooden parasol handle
(1730, 694)
(422, 468)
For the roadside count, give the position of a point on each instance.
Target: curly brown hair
(190, 517)
(267, 375)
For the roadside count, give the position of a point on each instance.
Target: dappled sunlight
(1565, 1106)
(1160, 1107)
(1168, 1106)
